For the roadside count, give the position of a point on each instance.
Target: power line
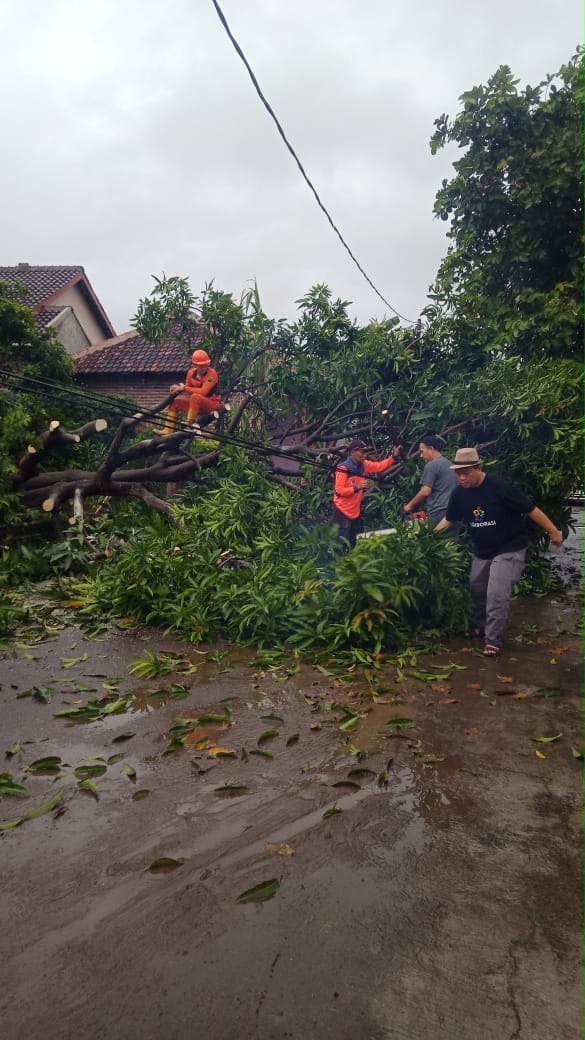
(271, 113)
(47, 388)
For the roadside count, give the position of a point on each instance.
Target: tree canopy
(511, 280)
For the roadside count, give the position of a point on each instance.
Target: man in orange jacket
(201, 392)
(350, 483)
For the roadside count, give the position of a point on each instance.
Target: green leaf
(399, 723)
(43, 693)
(349, 723)
(122, 737)
(139, 795)
(292, 740)
(262, 752)
(331, 812)
(260, 893)
(52, 763)
(202, 719)
(164, 864)
(576, 752)
(231, 790)
(547, 691)
(9, 824)
(9, 786)
(547, 740)
(347, 783)
(115, 758)
(116, 707)
(70, 662)
(46, 807)
(268, 734)
(129, 771)
(88, 785)
(89, 769)
(14, 750)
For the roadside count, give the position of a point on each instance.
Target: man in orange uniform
(350, 484)
(201, 392)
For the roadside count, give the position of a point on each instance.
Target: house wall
(147, 391)
(69, 332)
(73, 298)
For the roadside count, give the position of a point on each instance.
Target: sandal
(490, 650)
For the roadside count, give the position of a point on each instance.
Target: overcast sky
(134, 143)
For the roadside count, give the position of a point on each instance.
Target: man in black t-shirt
(493, 510)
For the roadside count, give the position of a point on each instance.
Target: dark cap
(361, 445)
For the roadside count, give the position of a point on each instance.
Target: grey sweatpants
(491, 583)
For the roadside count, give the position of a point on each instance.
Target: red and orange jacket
(206, 385)
(349, 486)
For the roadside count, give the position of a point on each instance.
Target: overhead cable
(46, 388)
(271, 113)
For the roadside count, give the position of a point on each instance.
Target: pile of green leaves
(285, 580)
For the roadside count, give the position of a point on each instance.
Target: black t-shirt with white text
(493, 512)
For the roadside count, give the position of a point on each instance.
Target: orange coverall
(348, 493)
(199, 397)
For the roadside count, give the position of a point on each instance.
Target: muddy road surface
(419, 828)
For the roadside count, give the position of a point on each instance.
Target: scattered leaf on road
(45, 807)
(505, 678)
(89, 785)
(220, 752)
(231, 790)
(122, 737)
(164, 864)
(260, 893)
(399, 723)
(280, 848)
(548, 740)
(539, 754)
(268, 734)
(9, 786)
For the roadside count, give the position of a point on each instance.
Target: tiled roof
(43, 284)
(40, 282)
(130, 354)
(47, 315)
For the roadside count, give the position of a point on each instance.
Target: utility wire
(271, 113)
(46, 388)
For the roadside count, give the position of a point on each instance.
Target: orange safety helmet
(200, 357)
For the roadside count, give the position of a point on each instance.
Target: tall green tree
(25, 350)
(511, 280)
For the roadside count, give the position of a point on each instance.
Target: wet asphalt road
(442, 901)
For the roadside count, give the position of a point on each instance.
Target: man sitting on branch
(201, 395)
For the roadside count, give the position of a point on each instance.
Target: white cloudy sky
(133, 141)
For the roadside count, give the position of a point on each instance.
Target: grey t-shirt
(439, 476)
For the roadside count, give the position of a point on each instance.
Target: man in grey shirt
(437, 481)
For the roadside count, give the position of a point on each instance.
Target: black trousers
(348, 529)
